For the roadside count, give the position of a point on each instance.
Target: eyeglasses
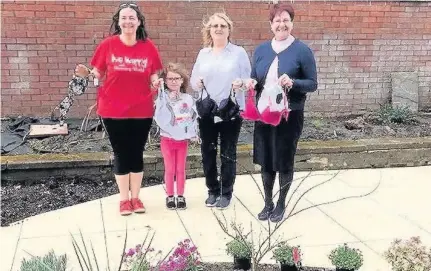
(126, 5)
(174, 79)
(222, 26)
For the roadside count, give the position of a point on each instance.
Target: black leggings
(128, 138)
(285, 181)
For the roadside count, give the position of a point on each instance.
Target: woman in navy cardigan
(289, 62)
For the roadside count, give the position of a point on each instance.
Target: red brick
(31, 103)
(26, 14)
(377, 14)
(26, 41)
(21, 98)
(31, 66)
(19, 72)
(35, 7)
(18, 59)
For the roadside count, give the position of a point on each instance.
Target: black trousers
(128, 138)
(228, 131)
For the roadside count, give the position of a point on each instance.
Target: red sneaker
(125, 207)
(137, 205)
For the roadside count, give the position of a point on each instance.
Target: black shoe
(277, 214)
(223, 203)
(170, 203)
(181, 203)
(211, 201)
(266, 212)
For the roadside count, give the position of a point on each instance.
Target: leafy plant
(346, 258)
(408, 255)
(399, 114)
(184, 258)
(286, 254)
(239, 248)
(49, 262)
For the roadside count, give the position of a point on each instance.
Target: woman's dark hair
(141, 32)
(278, 8)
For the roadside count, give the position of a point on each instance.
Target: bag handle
(204, 89)
(232, 95)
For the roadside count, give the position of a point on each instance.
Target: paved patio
(397, 209)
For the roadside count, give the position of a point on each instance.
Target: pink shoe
(137, 206)
(125, 207)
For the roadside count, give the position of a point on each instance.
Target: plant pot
(343, 269)
(242, 264)
(287, 267)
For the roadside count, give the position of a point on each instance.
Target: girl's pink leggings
(174, 155)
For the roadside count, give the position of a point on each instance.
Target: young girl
(176, 116)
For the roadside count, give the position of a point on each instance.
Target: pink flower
(296, 255)
(185, 256)
(131, 252)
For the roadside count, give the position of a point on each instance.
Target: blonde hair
(177, 68)
(206, 30)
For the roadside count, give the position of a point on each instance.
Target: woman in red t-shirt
(129, 63)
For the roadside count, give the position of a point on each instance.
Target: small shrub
(184, 258)
(239, 248)
(389, 114)
(288, 255)
(317, 123)
(48, 262)
(345, 257)
(408, 255)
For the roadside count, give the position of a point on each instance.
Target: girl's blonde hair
(177, 68)
(206, 30)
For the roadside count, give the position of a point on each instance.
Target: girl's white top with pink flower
(176, 116)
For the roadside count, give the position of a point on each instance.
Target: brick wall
(357, 46)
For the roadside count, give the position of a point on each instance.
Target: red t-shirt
(126, 92)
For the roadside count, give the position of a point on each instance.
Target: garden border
(311, 155)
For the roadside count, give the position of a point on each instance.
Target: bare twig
(299, 185)
(248, 172)
(334, 201)
(308, 190)
(124, 249)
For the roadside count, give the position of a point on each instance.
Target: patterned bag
(77, 86)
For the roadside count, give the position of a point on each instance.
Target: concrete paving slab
(396, 198)
(85, 217)
(10, 238)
